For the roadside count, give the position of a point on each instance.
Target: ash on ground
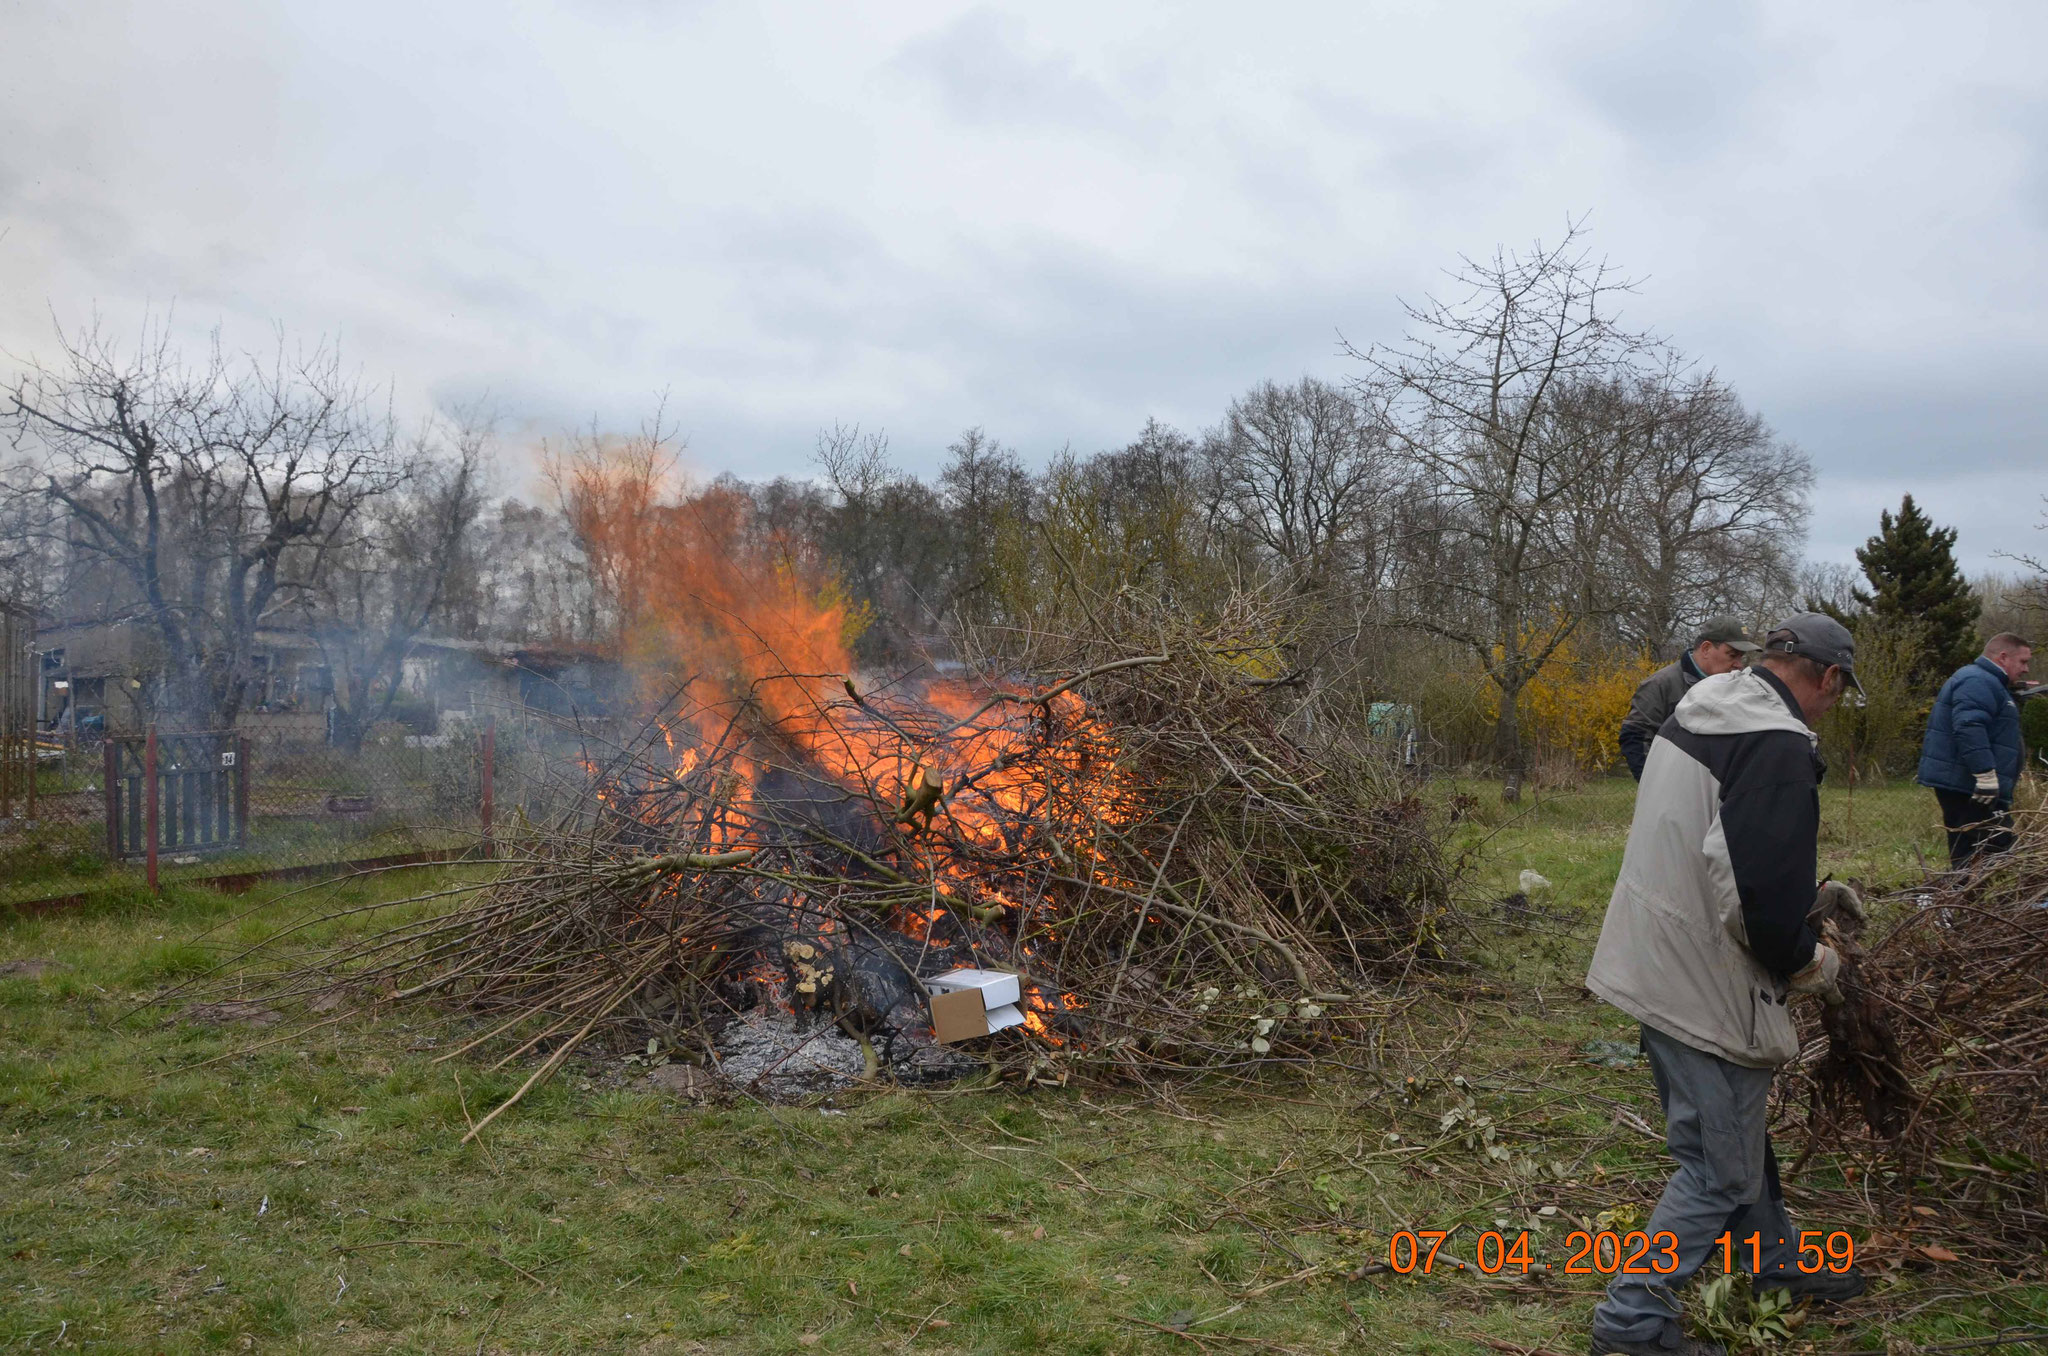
(779, 1054)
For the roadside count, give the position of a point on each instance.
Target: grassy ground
(311, 1194)
(1878, 834)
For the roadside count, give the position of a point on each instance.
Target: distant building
(487, 675)
(93, 677)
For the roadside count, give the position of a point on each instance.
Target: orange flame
(743, 629)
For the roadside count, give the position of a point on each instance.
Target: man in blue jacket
(1971, 757)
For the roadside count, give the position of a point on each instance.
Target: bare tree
(1829, 586)
(1716, 507)
(532, 583)
(200, 500)
(31, 542)
(612, 492)
(394, 573)
(984, 489)
(1152, 510)
(1306, 472)
(2032, 595)
(890, 535)
(2017, 603)
(1137, 518)
(1485, 396)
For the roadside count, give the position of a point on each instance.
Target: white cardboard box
(970, 1003)
(997, 987)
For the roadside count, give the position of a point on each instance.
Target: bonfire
(1180, 878)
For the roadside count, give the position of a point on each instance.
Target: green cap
(1727, 631)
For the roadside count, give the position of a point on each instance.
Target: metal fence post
(111, 752)
(149, 798)
(242, 790)
(490, 761)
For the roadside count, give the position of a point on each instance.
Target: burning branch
(920, 797)
(676, 863)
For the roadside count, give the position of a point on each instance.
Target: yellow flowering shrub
(1574, 707)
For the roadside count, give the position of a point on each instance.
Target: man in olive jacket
(1705, 941)
(1721, 647)
(1971, 756)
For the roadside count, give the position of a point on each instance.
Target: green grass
(312, 1195)
(1878, 834)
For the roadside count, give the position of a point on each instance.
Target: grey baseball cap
(1725, 630)
(1818, 637)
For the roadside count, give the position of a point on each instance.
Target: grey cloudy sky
(1054, 220)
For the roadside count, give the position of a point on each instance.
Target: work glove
(1987, 789)
(1844, 899)
(1819, 976)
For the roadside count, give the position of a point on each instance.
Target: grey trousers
(1727, 1182)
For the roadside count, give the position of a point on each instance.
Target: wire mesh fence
(167, 805)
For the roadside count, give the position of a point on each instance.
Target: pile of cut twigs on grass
(1935, 1069)
(1184, 882)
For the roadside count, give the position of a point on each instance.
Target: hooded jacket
(1975, 727)
(1657, 696)
(1708, 917)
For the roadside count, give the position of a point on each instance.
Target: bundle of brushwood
(1141, 829)
(1935, 1071)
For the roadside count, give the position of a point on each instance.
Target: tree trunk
(1508, 752)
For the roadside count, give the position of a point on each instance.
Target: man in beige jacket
(1705, 941)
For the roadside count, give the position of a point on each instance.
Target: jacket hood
(1741, 702)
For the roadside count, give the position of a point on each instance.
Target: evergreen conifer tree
(1914, 581)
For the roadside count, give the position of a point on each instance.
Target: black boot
(1821, 1287)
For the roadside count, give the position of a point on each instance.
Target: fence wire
(301, 802)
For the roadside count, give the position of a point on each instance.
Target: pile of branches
(1184, 878)
(1935, 1069)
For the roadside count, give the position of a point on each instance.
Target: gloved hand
(1844, 899)
(1987, 789)
(1819, 976)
